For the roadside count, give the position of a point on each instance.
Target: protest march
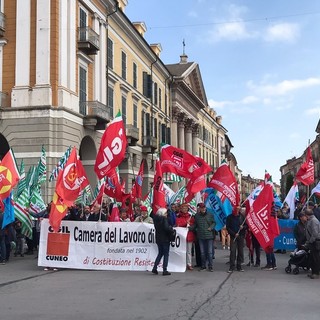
(112, 228)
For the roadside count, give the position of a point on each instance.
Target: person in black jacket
(163, 230)
(236, 228)
(299, 230)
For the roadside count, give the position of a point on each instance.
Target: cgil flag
(112, 149)
(225, 182)
(262, 219)
(159, 197)
(306, 171)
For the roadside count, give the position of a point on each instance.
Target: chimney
(156, 47)
(122, 4)
(140, 27)
(183, 59)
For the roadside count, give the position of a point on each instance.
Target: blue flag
(219, 208)
(8, 215)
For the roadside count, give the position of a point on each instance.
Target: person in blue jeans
(204, 224)
(163, 230)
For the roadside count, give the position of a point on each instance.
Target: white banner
(107, 246)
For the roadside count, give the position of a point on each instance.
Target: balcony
(2, 24)
(149, 144)
(96, 114)
(88, 41)
(132, 134)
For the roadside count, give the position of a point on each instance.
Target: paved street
(28, 292)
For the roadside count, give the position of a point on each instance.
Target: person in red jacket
(185, 220)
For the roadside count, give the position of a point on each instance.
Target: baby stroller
(299, 258)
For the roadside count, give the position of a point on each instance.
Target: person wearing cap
(143, 217)
(204, 224)
(313, 242)
(163, 230)
(299, 230)
(185, 220)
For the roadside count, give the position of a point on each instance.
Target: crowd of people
(200, 240)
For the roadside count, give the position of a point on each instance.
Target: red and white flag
(112, 149)
(159, 196)
(306, 171)
(262, 219)
(177, 161)
(224, 181)
(9, 175)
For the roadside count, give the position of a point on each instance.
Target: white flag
(291, 198)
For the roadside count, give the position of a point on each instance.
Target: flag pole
(100, 213)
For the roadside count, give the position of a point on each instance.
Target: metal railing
(95, 109)
(86, 34)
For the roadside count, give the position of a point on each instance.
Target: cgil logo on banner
(58, 244)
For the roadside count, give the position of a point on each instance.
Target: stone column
(20, 93)
(195, 136)
(188, 135)
(181, 143)
(174, 129)
(42, 93)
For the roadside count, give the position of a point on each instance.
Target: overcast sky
(260, 66)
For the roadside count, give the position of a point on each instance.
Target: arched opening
(4, 146)
(87, 155)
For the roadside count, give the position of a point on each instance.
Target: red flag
(137, 187)
(71, 180)
(200, 168)
(194, 186)
(306, 171)
(177, 161)
(98, 199)
(127, 202)
(57, 212)
(112, 149)
(159, 198)
(9, 175)
(198, 178)
(261, 218)
(224, 181)
(115, 215)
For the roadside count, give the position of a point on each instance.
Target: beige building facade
(67, 68)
